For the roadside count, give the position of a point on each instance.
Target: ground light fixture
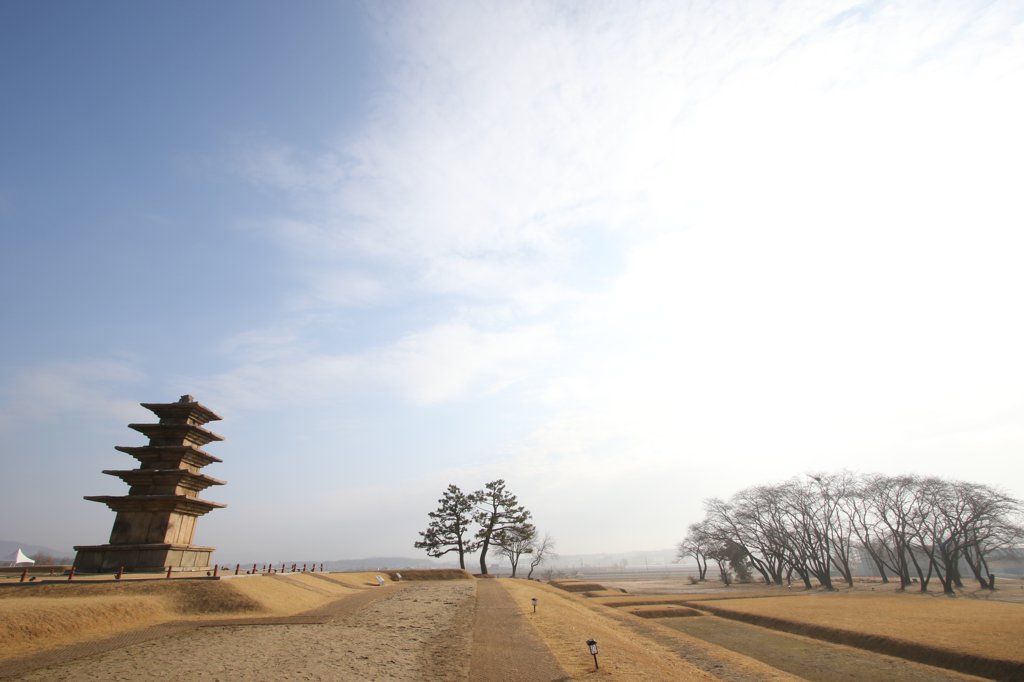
(592, 645)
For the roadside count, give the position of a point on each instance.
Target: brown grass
(565, 621)
(187, 597)
(967, 626)
(980, 638)
(41, 616)
(565, 625)
(431, 574)
(621, 601)
(357, 580)
(29, 625)
(663, 611)
(613, 599)
(604, 593)
(578, 586)
(284, 594)
(971, 633)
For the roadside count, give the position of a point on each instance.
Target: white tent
(19, 559)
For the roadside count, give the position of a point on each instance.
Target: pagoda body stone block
(156, 520)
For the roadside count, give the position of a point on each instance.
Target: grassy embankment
(967, 634)
(644, 651)
(47, 615)
(976, 637)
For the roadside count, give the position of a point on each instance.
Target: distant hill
(381, 563)
(9, 547)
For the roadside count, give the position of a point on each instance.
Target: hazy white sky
(626, 256)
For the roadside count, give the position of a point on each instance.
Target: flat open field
(332, 626)
(973, 627)
(974, 632)
(328, 627)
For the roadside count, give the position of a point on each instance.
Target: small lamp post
(534, 602)
(592, 644)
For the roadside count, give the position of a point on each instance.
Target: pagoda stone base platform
(142, 558)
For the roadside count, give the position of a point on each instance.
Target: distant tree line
(501, 523)
(910, 528)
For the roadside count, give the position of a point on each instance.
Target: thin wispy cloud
(90, 389)
(510, 136)
(611, 247)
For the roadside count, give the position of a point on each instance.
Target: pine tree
(449, 526)
(497, 512)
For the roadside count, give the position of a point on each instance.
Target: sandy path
(506, 648)
(410, 631)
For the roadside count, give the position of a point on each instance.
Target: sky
(626, 256)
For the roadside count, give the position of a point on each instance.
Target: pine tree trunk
(483, 556)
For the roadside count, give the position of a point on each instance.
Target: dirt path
(446, 630)
(810, 659)
(505, 646)
(411, 631)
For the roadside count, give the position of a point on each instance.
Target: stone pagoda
(156, 520)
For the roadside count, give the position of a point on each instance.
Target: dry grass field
(566, 621)
(975, 632)
(421, 627)
(978, 637)
(45, 615)
(988, 629)
(29, 625)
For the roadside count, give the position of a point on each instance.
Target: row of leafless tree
(910, 528)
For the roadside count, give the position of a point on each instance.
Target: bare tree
(960, 520)
(542, 551)
(736, 522)
(834, 489)
(759, 511)
(855, 507)
(719, 553)
(809, 516)
(932, 535)
(994, 525)
(696, 544)
(816, 527)
(513, 543)
(891, 500)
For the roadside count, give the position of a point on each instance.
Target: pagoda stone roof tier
(165, 477)
(185, 411)
(146, 546)
(172, 455)
(157, 503)
(176, 434)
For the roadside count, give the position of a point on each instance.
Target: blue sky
(626, 256)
